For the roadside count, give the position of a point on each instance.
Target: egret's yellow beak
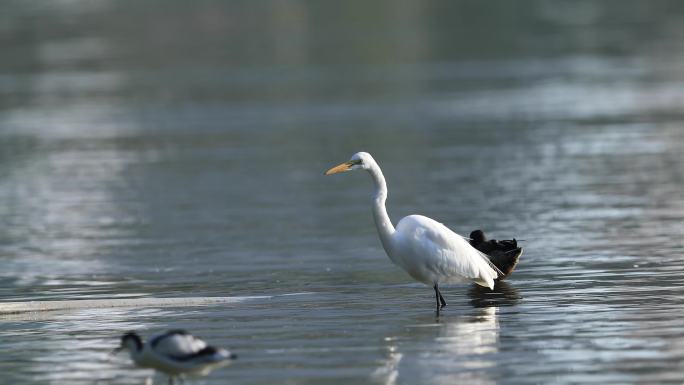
(346, 166)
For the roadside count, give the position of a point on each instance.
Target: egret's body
(433, 254)
(426, 249)
(175, 353)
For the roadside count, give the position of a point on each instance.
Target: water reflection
(388, 372)
(63, 209)
(504, 294)
(74, 346)
(457, 349)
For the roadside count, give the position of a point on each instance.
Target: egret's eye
(355, 162)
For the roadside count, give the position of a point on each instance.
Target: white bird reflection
(389, 372)
(460, 352)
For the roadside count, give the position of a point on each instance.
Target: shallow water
(177, 151)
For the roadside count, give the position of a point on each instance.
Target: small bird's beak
(116, 351)
(346, 166)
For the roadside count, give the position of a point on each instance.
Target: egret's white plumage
(426, 249)
(433, 254)
(175, 352)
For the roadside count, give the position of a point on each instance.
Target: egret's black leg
(170, 380)
(438, 296)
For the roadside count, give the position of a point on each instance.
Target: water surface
(177, 150)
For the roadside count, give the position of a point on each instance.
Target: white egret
(426, 249)
(175, 353)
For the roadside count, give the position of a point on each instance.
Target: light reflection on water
(139, 163)
(462, 351)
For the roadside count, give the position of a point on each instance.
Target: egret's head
(130, 341)
(358, 161)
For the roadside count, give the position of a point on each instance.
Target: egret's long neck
(382, 221)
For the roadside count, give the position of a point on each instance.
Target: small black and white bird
(504, 254)
(174, 353)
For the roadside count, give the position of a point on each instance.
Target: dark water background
(174, 149)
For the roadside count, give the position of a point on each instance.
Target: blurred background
(176, 148)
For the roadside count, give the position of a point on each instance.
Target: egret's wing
(449, 240)
(177, 344)
(462, 255)
(445, 252)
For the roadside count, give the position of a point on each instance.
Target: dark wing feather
(504, 254)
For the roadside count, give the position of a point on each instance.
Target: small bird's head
(130, 341)
(478, 236)
(358, 161)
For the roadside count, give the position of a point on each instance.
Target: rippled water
(177, 151)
